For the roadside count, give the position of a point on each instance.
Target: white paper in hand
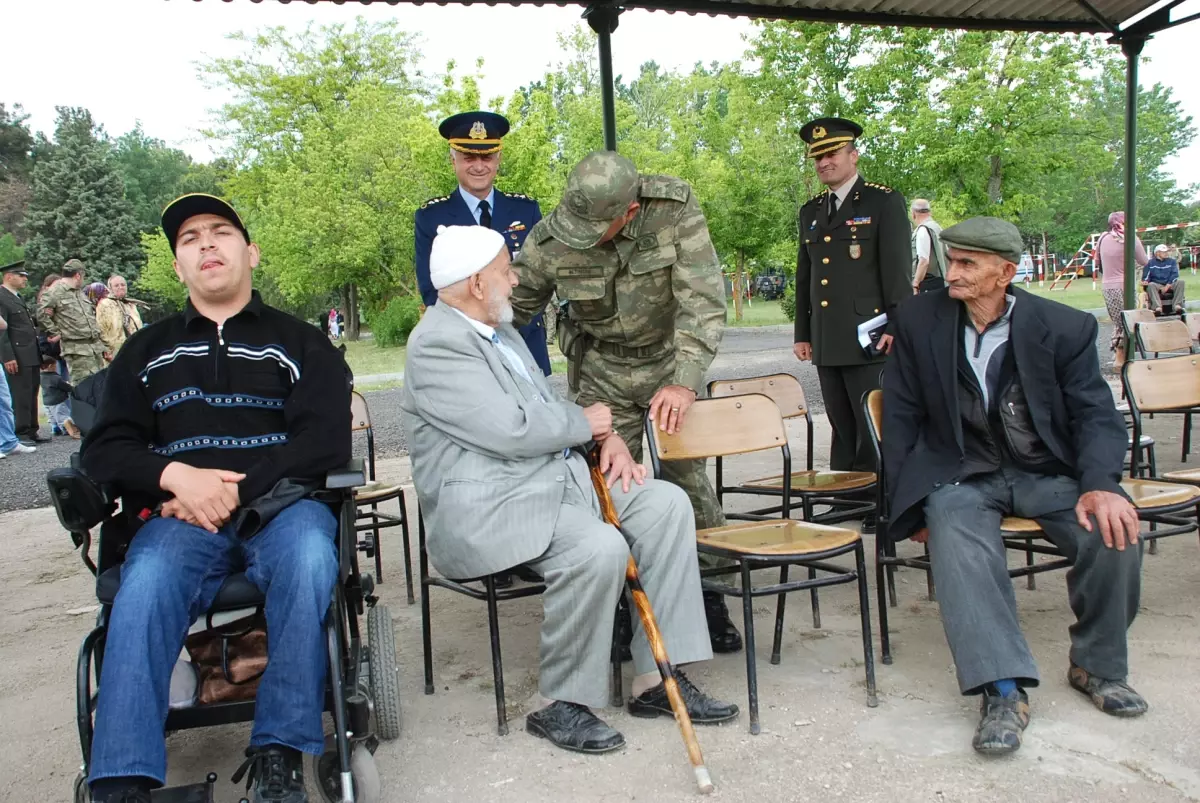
(870, 331)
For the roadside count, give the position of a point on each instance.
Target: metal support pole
(1132, 48)
(603, 20)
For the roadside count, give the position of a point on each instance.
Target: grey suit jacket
(486, 446)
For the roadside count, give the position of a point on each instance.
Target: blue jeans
(8, 436)
(171, 574)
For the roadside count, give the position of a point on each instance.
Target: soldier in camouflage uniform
(64, 312)
(632, 256)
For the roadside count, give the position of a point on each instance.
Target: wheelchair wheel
(384, 672)
(82, 793)
(324, 769)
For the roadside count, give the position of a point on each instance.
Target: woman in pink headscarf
(1110, 261)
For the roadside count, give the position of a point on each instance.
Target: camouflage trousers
(83, 359)
(627, 385)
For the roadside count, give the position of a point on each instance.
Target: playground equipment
(1084, 259)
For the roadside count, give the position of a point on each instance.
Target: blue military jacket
(513, 216)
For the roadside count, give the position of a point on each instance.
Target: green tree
(153, 174)
(10, 252)
(16, 165)
(78, 208)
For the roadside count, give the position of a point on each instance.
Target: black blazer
(19, 341)
(1054, 348)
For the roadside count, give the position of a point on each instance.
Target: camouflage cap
(990, 235)
(599, 190)
(73, 266)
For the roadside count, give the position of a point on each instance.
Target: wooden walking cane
(657, 648)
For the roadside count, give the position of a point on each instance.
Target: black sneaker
(276, 773)
(721, 632)
(572, 726)
(703, 710)
(1002, 722)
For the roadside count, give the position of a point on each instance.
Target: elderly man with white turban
(500, 486)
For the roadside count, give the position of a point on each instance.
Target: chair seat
(1012, 524)
(374, 491)
(821, 481)
(1147, 494)
(781, 538)
(1144, 440)
(236, 592)
(1191, 475)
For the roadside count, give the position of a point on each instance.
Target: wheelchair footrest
(191, 793)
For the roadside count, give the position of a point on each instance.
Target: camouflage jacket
(66, 312)
(657, 282)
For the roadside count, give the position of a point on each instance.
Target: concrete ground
(819, 740)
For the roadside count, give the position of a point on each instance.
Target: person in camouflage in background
(65, 313)
(632, 256)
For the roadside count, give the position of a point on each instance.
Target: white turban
(462, 251)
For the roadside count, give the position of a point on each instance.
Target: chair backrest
(1169, 383)
(875, 414)
(360, 416)
(723, 426)
(1130, 318)
(784, 389)
(1159, 336)
(1193, 324)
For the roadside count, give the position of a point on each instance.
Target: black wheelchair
(362, 690)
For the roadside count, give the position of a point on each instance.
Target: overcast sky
(130, 60)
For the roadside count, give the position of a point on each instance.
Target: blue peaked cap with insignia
(474, 132)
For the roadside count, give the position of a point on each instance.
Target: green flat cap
(991, 235)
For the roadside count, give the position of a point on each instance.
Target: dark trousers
(842, 388)
(24, 387)
(975, 594)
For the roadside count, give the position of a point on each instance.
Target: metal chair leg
(779, 606)
(616, 692)
(885, 642)
(931, 590)
(489, 584)
(751, 667)
(378, 544)
(1030, 582)
(408, 576)
(864, 605)
(426, 635)
(1187, 437)
(816, 604)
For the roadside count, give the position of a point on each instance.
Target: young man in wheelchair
(220, 420)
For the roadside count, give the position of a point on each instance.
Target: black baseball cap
(197, 203)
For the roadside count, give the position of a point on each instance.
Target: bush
(788, 302)
(392, 325)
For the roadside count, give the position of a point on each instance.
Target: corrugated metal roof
(1095, 16)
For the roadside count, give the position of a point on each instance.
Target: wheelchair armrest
(80, 503)
(350, 475)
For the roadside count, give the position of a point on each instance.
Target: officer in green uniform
(67, 314)
(645, 310)
(853, 266)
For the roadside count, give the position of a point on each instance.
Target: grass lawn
(365, 358)
(762, 313)
(1079, 295)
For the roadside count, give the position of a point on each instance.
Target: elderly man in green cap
(994, 406)
(631, 256)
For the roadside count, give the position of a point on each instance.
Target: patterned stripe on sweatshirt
(221, 442)
(216, 400)
(276, 353)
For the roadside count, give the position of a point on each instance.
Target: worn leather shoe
(572, 726)
(1003, 722)
(276, 774)
(1113, 697)
(703, 710)
(721, 632)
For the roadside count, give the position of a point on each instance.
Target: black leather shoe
(869, 525)
(1113, 697)
(572, 726)
(1002, 722)
(275, 772)
(721, 632)
(502, 580)
(703, 710)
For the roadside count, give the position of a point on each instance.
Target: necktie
(485, 215)
(832, 205)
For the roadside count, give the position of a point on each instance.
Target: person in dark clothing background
(1161, 276)
(55, 393)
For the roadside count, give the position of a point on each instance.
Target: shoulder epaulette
(668, 187)
(520, 195)
(436, 200)
(878, 186)
(816, 197)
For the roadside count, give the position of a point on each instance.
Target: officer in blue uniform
(475, 155)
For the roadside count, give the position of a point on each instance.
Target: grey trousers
(584, 567)
(975, 594)
(1154, 294)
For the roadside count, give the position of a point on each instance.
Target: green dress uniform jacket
(850, 269)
